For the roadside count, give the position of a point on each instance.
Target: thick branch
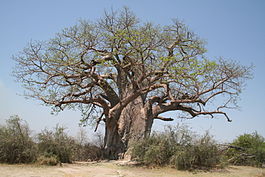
(161, 108)
(164, 118)
(111, 94)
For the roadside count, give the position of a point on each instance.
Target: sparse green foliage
(247, 149)
(16, 145)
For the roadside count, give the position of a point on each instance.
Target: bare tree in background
(125, 73)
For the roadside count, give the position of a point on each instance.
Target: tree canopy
(102, 67)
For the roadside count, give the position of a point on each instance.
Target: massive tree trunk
(134, 123)
(112, 141)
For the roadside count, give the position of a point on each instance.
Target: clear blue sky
(233, 29)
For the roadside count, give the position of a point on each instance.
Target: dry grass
(110, 169)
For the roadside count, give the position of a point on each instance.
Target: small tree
(16, 145)
(126, 74)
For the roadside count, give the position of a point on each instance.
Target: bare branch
(98, 121)
(163, 118)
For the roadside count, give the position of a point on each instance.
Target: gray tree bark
(134, 123)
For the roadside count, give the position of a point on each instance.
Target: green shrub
(155, 151)
(159, 151)
(56, 143)
(203, 154)
(51, 146)
(47, 160)
(180, 148)
(247, 149)
(159, 147)
(16, 145)
(183, 158)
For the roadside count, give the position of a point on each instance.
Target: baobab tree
(125, 74)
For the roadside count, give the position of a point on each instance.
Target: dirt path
(112, 169)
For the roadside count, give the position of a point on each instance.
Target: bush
(159, 147)
(16, 145)
(155, 151)
(50, 148)
(87, 152)
(203, 154)
(247, 149)
(50, 160)
(56, 143)
(178, 147)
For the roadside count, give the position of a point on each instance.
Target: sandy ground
(114, 169)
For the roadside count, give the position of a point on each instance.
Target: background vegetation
(247, 149)
(177, 147)
(49, 147)
(16, 144)
(181, 148)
